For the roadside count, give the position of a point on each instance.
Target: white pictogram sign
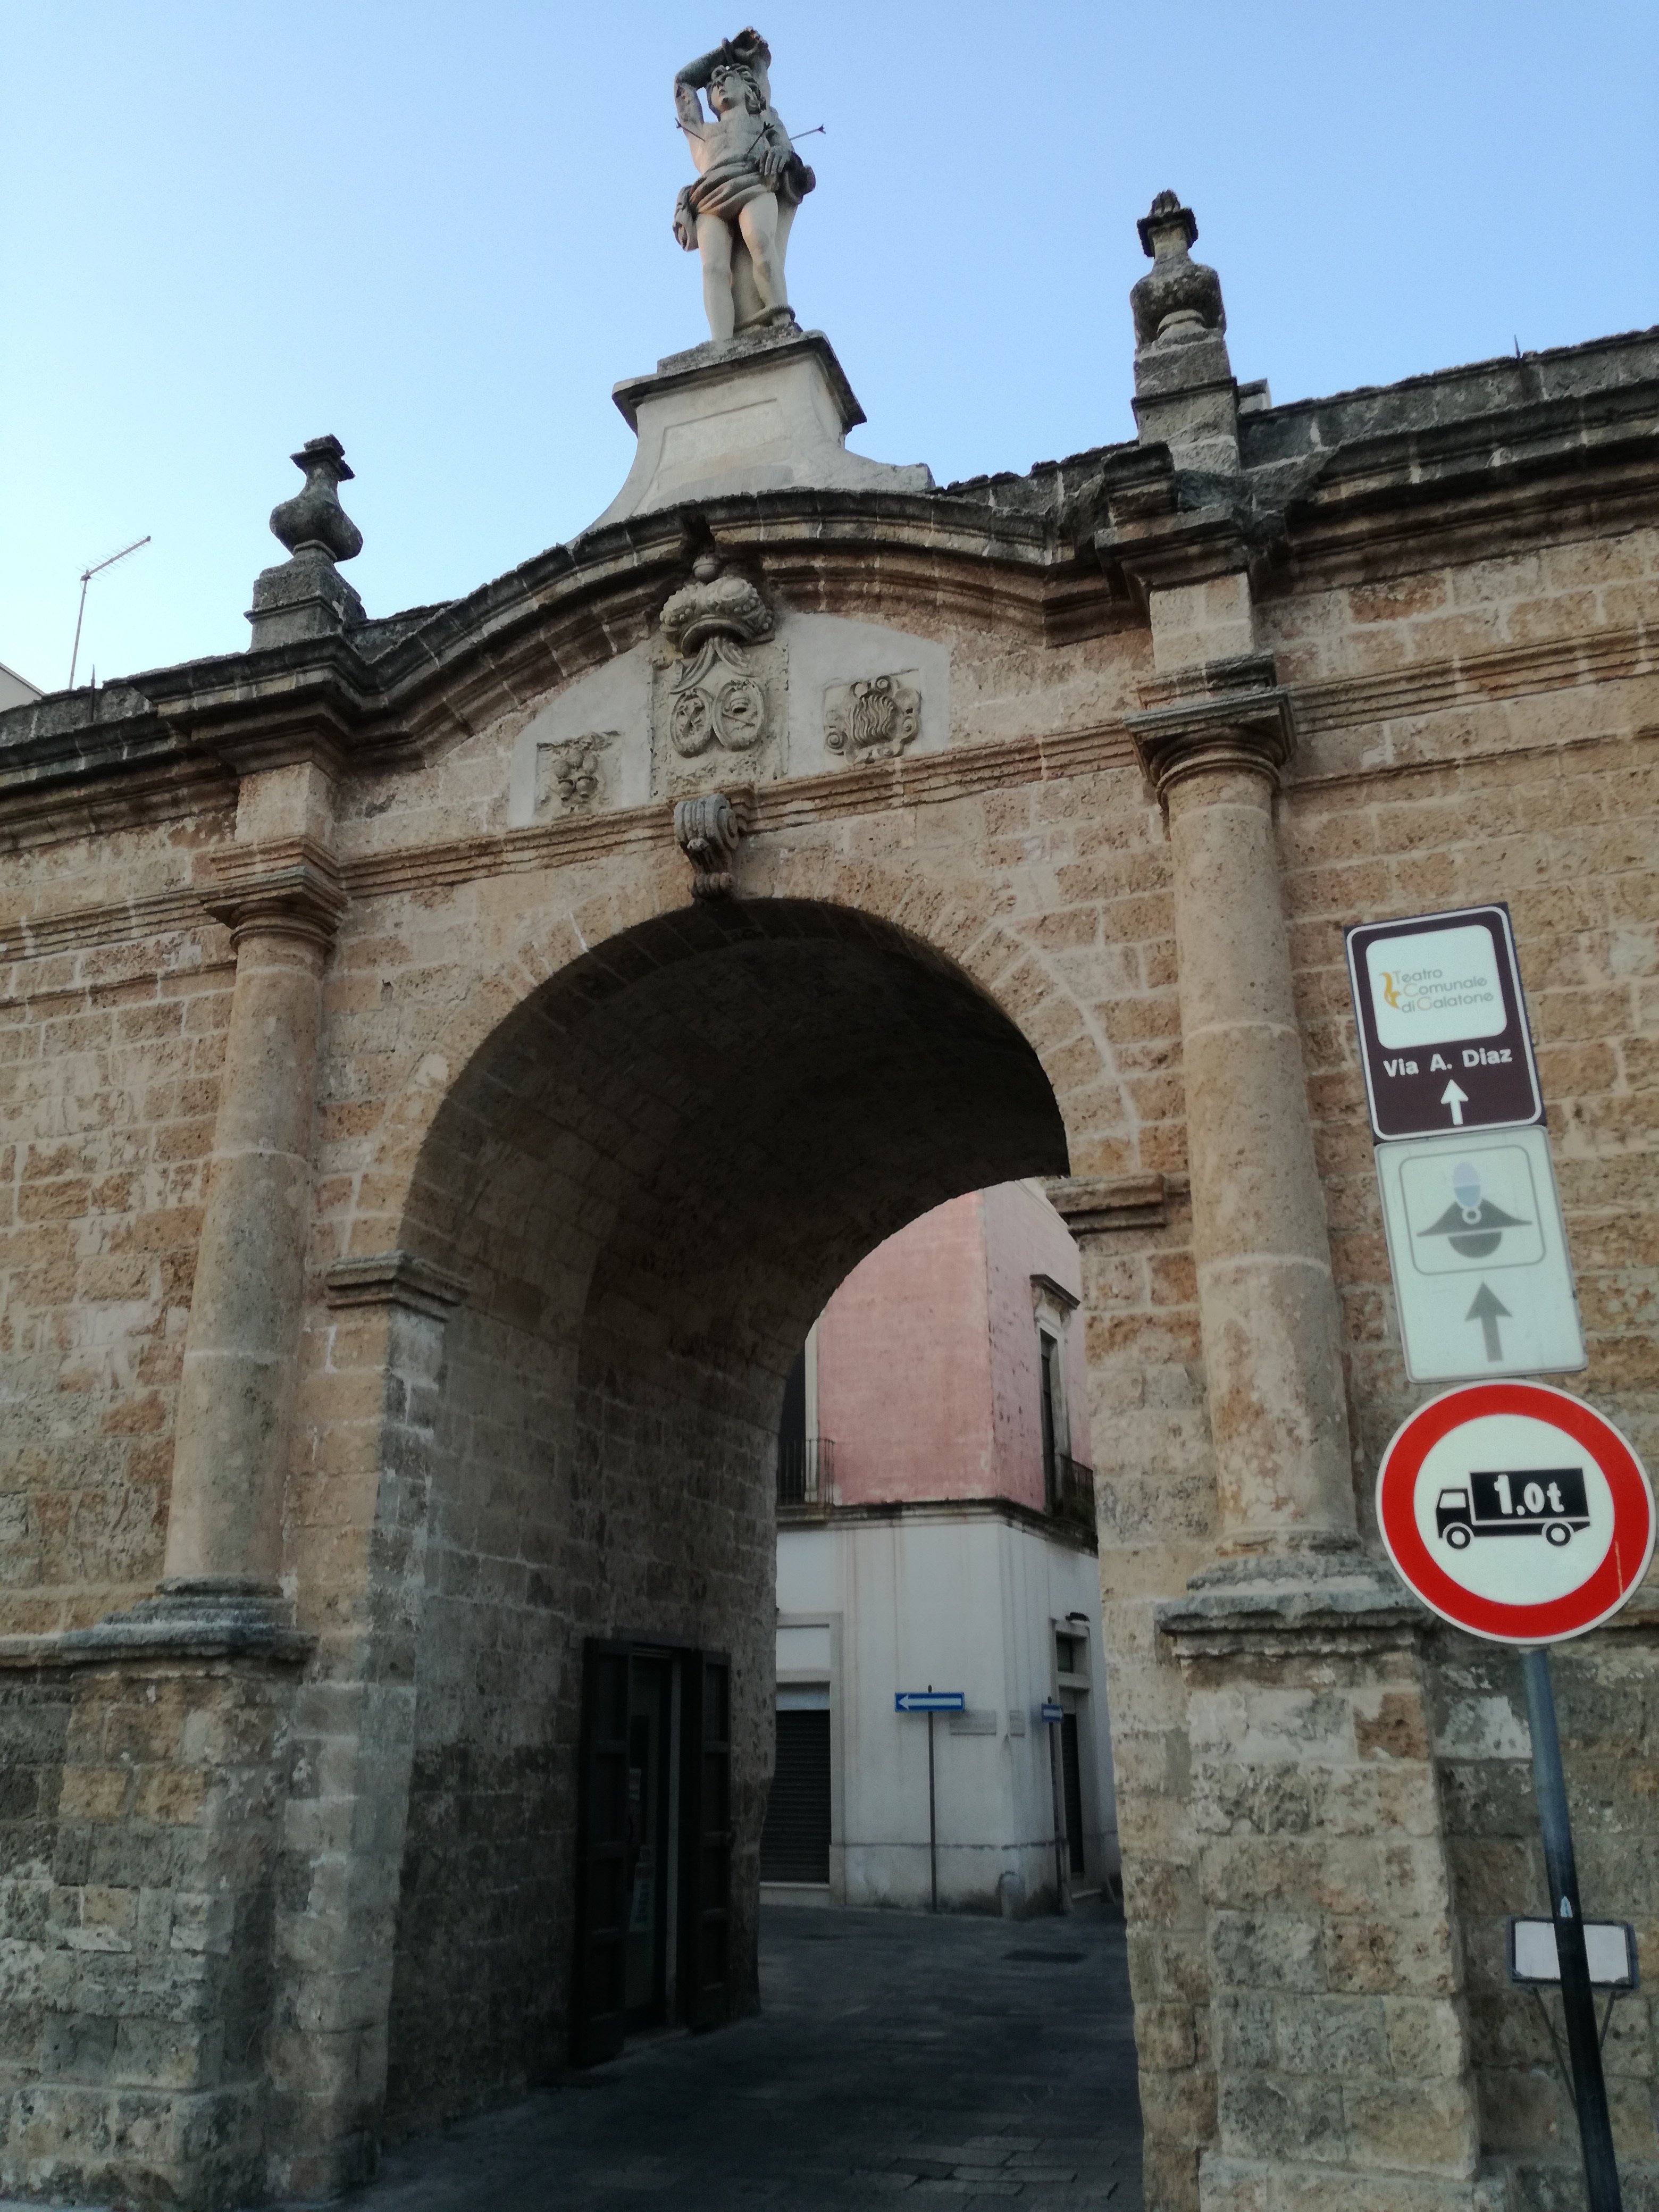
(1478, 1255)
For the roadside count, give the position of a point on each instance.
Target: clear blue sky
(441, 231)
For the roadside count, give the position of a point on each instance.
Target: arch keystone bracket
(707, 831)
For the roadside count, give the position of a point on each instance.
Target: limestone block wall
(141, 1816)
(111, 1056)
(597, 1154)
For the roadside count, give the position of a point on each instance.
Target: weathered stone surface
(544, 1168)
(764, 413)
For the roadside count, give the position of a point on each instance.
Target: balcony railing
(807, 1473)
(1074, 1492)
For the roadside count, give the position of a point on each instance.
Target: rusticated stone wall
(586, 1156)
(142, 1819)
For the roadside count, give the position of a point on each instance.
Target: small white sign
(1479, 1254)
(1435, 986)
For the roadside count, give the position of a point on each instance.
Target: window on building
(1050, 1352)
(1053, 1306)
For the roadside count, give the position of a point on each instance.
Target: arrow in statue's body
(929, 1701)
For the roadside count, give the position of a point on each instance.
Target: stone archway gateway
(452, 1056)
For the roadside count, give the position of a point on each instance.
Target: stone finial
(707, 831)
(1179, 299)
(313, 520)
(305, 596)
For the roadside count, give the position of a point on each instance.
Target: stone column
(1266, 1297)
(224, 1527)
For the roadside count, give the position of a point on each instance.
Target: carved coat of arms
(873, 718)
(570, 773)
(717, 703)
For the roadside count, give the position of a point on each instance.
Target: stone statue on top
(749, 181)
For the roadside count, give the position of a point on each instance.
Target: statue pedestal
(768, 413)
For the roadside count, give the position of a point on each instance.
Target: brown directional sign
(1443, 1027)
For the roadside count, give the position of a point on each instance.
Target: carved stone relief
(718, 702)
(570, 775)
(873, 718)
(708, 831)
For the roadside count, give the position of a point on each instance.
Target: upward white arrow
(1456, 1099)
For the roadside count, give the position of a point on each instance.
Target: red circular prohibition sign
(1606, 1588)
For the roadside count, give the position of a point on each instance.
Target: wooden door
(604, 1875)
(705, 1971)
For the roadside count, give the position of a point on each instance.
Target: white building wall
(965, 1599)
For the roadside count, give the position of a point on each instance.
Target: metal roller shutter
(795, 1840)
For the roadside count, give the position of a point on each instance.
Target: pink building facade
(935, 1522)
(929, 1360)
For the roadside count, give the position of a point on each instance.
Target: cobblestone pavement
(942, 2062)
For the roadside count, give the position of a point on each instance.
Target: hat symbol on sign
(1471, 1224)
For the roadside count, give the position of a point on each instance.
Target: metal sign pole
(1061, 1901)
(1583, 2043)
(932, 1824)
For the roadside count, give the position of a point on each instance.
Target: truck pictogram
(1535, 1501)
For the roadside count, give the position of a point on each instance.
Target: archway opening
(650, 1176)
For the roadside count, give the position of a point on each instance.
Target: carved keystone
(707, 831)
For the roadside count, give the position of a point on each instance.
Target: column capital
(394, 1278)
(1222, 715)
(290, 888)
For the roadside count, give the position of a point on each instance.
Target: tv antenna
(86, 575)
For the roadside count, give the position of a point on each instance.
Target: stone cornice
(1070, 1533)
(1043, 566)
(393, 1278)
(1159, 545)
(289, 887)
(1510, 672)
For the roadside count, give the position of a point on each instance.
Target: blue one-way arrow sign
(929, 1701)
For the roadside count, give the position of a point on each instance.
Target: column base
(1319, 1854)
(196, 1617)
(1297, 1591)
(1249, 2185)
(138, 2000)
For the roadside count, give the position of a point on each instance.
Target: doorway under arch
(650, 1176)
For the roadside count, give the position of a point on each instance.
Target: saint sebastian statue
(750, 182)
